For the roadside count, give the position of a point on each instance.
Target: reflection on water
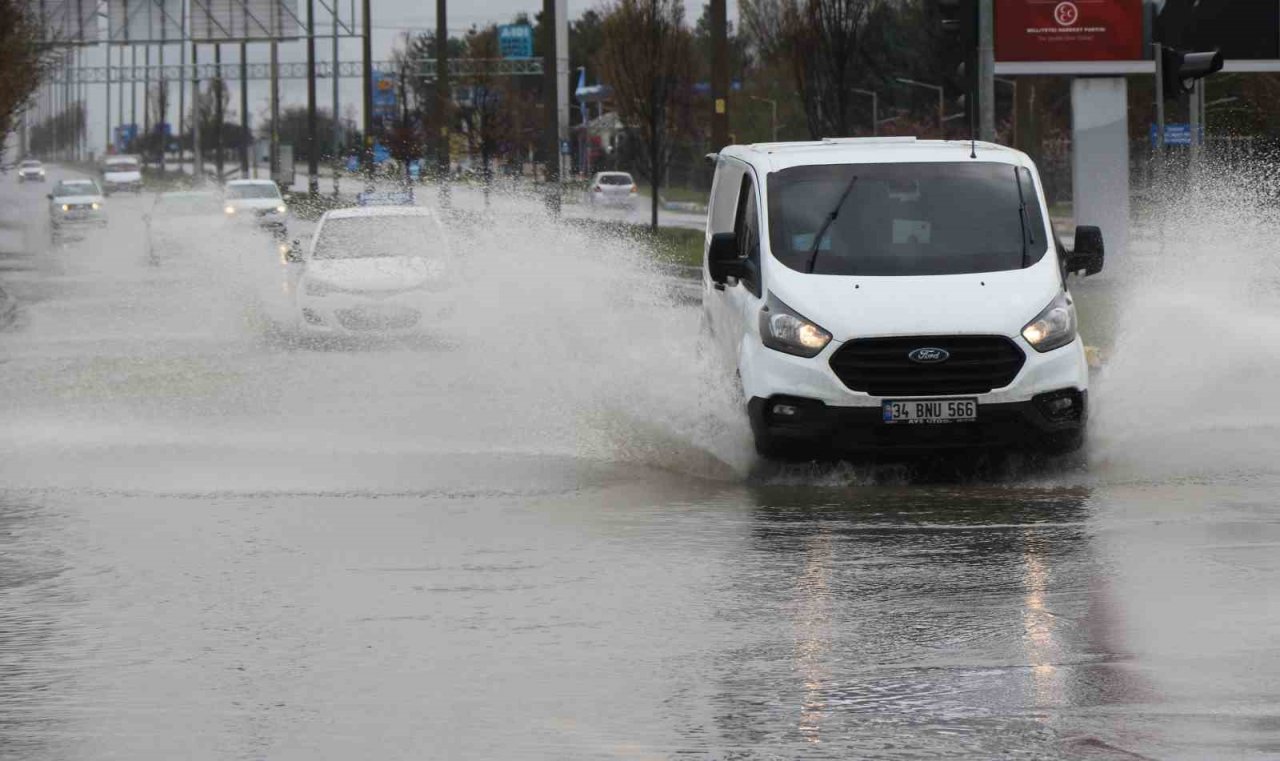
(920, 620)
(33, 682)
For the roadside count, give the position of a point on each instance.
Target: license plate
(929, 410)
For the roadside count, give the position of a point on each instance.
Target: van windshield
(906, 219)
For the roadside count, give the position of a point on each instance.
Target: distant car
(121, 173)
(31, 171)
(256, 200)
(75, 205)
(169, 222)
(375, 269)
(612, 189)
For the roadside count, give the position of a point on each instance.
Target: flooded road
(517, 538)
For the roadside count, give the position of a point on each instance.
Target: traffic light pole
(986, 71)
(720, 77)
(1157, 47)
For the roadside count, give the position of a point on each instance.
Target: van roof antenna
(973, 129)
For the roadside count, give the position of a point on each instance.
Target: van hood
(382, 273)
(987, 303)
(122, 176)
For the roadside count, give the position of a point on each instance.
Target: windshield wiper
(1023, 220)
(817, 239)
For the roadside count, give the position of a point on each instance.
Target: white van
(889, 294)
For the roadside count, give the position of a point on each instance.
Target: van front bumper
(1044, 423)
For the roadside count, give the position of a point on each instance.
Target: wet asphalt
(216, 543)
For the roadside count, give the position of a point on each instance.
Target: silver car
(75, 205)
(31, 171)
(612, 189)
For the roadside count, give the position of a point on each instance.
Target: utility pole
(244, 111)
(217, 110)
(366, 44)
(107, 99)
(720, 78)
(986, 71)
(337, 118)
(197, 154)
(163, 101)
(551, 102)
(313, 148)
(274, 155)
(120, 88)
(443, 97)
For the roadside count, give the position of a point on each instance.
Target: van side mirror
(1089, 252)
(723, 260)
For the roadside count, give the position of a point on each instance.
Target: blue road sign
(380, 153)
(124, 135)
(1174, 134)
(565, 148)
(353, 163)
(515, 40)
(415, 170)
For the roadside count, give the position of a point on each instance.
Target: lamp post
(773, 105)
(935, 88)
(875, 109)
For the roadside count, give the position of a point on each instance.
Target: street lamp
(875, 109)
(935, 88)
(774, 105)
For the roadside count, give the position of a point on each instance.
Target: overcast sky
(391, 19)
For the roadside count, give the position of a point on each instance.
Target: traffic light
(1180, 70)
(958, 20)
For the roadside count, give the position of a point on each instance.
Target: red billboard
(1068, 30)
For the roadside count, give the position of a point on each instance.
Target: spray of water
(556, 343)
(182, 375)
(1188, 390)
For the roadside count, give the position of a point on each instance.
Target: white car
(612, 189)
(121, 173)
(258, 201)
(887, 294)
(75, 205)
(31, 170)
(375, 269)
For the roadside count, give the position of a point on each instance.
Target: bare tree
(25, 58)
(646, 56)
(824, 41)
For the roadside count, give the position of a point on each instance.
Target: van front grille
(882, 367)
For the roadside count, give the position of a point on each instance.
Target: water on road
(538, 531)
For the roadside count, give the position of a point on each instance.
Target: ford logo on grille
(928, 355)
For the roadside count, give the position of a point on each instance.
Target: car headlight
(1054, 327)
(785, 330)
(66, 207)
(230, 209)
(95, 205)
(318, 288)
(281, 209)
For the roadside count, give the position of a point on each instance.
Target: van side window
(747, 229)
(724, 196)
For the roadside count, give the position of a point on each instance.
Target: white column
(1100, 158)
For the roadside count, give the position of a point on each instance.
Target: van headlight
(1054, 327)
(785, 330)
(229, 209)
(281, 209)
